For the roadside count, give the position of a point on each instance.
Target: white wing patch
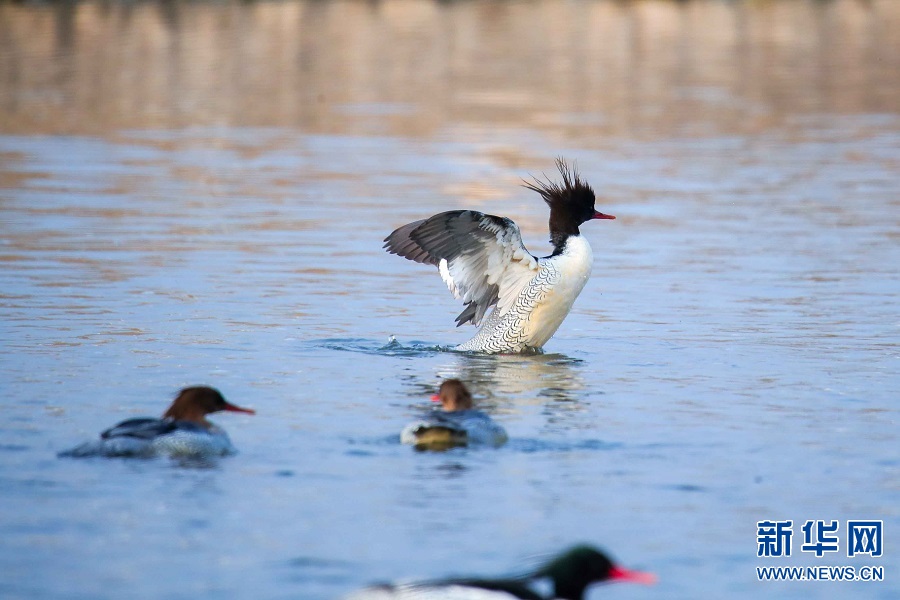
(480, 257)
(444, 270)
(494, 271)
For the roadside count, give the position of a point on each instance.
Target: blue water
(734, 357)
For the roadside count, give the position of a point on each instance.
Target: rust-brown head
(194, 403)
(453, 396)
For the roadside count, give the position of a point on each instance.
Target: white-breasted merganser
(183, 430)
(458, 424)
(570, 574)
(482, 260)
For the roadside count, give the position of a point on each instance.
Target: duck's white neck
(577, 254)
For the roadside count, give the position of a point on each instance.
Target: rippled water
(197, 193)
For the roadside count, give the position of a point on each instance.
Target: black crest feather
(571, 202)
(572, 189)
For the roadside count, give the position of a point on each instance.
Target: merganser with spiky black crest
(569, 574)
(183, 430)
(483, 261)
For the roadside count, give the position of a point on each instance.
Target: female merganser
(569, 574)
(458, 424)
(482, 260)
(182, 431)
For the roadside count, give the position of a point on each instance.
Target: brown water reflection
(579, 70)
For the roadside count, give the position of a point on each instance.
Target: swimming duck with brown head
(183, 430)
(456, 424)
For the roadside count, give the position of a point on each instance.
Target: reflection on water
(463, 69)
(537, 377)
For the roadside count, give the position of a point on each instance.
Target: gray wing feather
(483, 253)
(401, 242)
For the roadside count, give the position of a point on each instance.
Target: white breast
(426, 592)
(191, 443)
(573, 266)
(541, 306)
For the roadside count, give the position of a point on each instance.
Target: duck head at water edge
(453, 396)
(573, 571)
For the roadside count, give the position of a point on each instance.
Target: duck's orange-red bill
(622, 574)
(233, 408)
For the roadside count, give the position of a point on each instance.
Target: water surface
(198, 193)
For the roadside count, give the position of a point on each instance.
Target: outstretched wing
(481, 257)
